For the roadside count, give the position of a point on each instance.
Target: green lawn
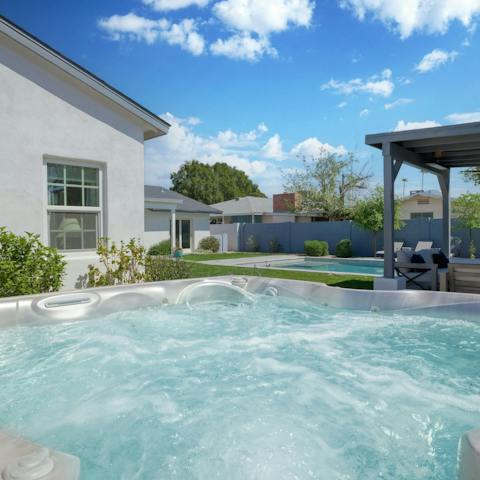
(203, 257)
(345, 281)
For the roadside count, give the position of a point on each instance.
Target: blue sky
(256, 83)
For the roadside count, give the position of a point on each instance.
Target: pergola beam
(410, 157)
(446, 147)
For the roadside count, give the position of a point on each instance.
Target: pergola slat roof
(448, 147)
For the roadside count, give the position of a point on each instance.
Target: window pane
(90, 240)
(74, 175)
(89, 221)
(56, 195)
(55, 173)
(67, 230)
(73, 240)
(90, 176)
(74, 196)
(56, 240)
(185, 233)
(91, 197)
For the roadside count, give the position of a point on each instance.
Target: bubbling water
(270, 389)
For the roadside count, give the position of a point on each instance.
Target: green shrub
(161, 248)
(27, 266)
(252, 244)
(209, 243)
(274, 246)
(120, 265)
(344, 248)
(161, 268)
(316, 248)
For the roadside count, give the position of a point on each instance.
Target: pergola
(435, 150)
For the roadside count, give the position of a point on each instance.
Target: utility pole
(404, 180)
(423, 174)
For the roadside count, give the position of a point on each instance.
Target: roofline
(72, 68)
(162, 200)
(377, 139)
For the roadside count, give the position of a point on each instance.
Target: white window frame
(74, 209)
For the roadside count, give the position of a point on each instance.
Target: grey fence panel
(291, 236)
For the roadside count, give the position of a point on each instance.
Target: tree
(368, 214)
(472, 175)
(326, 184)
(467, 210)
(213, 183)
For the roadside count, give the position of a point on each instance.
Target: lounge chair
(396, 247)
(423, 246)
(464, 278)
(425, 276)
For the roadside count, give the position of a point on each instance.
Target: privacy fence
(291, 236)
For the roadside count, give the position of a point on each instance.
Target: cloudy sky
(258, 83)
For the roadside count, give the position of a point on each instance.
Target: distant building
(278, 209)
(421, 204)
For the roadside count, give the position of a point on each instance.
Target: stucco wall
(45, 113)
(278, 218)
(411, 205)
(157, 226)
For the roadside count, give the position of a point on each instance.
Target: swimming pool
(205, 380)
(334, 265)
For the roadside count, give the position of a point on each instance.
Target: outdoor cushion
(416, 258)
(440, 259)
(427, 254)
(404, 256)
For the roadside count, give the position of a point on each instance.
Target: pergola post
(444, 182)
(173, 233)
(388, 212)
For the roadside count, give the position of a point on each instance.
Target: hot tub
(241, 378)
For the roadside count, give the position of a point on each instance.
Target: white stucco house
(175, 217)
(71, 151)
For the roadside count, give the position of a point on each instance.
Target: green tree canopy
(472, 175)
(213, 183)
(327, 183)
(367, 213)
(466, 209)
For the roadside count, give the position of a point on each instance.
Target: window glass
(91, 197)
(90, 176)
(73, 174)
(74, 196)
(55, 173)
(73, 231)
(56, 195)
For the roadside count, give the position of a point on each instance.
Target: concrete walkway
(258, 260)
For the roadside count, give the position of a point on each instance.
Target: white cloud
(264, 16)
(134, 27)
(273, 149)
(463, 117)
(243, 47)
(165, 154)
(381, 85)
(401, 125)
(231, 139)
(408, 16)
(313, 147)
(342, 104)
(435, 59)
(365, 112)
(398, 103)
(165, 5)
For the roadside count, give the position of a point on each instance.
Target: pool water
(276, 389)
(360, 267)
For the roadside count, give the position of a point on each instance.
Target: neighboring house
(421, 204)
(71, 151)
(278, 209)
(166, 210)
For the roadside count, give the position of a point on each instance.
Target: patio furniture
(464, 278)
(396, 247)
(425, 276)
(423, 245)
